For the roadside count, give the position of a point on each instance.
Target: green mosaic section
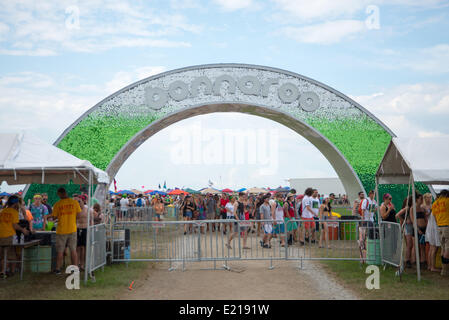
(97, 139)
(363, 142)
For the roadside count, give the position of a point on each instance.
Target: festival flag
(165, 185)
(159, 185)
(210, 183)
(115, 186)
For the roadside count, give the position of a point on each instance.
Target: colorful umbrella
(125, 192)
(176, 192)
(227, 190)
(191, 191)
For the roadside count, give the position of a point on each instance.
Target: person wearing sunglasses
(387, 210)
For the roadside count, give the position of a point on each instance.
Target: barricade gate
(209, 240)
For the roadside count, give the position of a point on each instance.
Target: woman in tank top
(406, 220)
(325, 212)
(387, 211)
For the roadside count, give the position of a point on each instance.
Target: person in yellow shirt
(66, 211)
(9, 223)
(440, 210)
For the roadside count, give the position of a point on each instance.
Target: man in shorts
(308, 214)
(265, 214)
(9, 224)
(66, 211)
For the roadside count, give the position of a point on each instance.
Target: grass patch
(343, 211)
(431, 287)
(110, 284)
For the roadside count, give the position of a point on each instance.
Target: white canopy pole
(415, 227)
(379, 219)
(87, 259)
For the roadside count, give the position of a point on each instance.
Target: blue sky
(59, 58)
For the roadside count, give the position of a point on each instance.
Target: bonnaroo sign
(288, 92)
(350, 137)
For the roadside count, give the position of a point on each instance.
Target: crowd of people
(274, 216)
(432, 220)
(68, 217)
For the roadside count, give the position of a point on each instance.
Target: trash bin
(333, 230)
(348, 229)
(38, 263)
(373, 252)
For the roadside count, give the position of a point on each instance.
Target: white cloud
(47, 28)
(408, 110)
(325, 33)
(431, 134)
(185, 4)
(124, 78)
(429, 60)
(27, 79)
(406, 99)
(232, 5)
(31, 101)
(307, 11)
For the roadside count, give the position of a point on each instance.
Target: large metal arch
(344, 170)
(352, 157)
(224, 65)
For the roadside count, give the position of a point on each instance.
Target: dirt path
(245, 280)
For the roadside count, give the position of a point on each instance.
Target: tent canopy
(25, 159)
(192, 191)
(256, 190)
(426, 158)
(210, 190)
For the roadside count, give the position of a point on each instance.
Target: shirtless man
(81, 227)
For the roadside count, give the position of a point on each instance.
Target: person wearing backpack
(140, 204)
(356, 209)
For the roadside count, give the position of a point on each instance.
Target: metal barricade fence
(98, 247)
(390, 233)
(225, 240)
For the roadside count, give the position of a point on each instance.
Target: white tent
(210, 190)
(410, 160)
(25, 159)
(426, 158)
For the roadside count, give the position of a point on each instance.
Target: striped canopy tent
(191, 191)
(210, 190)
(256, 190)
(148, 191)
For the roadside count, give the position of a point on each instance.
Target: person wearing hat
(9, 224)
